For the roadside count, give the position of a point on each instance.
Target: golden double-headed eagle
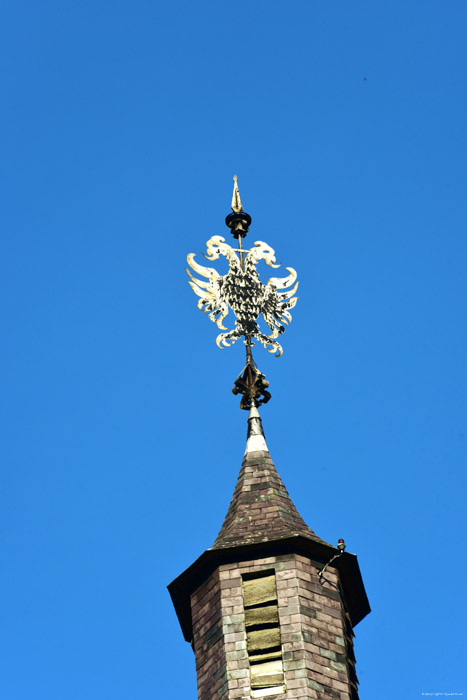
(242, 291)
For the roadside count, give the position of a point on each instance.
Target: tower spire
(270, 608)
(261, 509)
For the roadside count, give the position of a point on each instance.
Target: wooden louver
(263, 633)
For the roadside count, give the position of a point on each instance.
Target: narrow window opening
(263, 634)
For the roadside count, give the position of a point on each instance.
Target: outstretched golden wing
(277, 303)
(210, 292)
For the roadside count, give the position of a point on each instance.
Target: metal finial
(242, 291)
(239, 221)
(236, 201)
(252, 384)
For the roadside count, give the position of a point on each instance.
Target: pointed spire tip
(236, 201)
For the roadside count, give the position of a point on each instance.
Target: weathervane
(242, 291)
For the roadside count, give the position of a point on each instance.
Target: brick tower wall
(315, 632)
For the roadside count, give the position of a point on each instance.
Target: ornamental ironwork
(242, 291)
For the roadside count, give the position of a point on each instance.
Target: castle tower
(270, 608)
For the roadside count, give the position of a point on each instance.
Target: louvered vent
(263, 634)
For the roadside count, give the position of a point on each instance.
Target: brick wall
(315, 636)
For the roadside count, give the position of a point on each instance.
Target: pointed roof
(261, 510)
(263, 521)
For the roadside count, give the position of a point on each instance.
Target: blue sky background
(122, 124)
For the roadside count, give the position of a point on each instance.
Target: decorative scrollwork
(242, 291)
(252, 384)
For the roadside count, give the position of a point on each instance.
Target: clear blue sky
(122, 124)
